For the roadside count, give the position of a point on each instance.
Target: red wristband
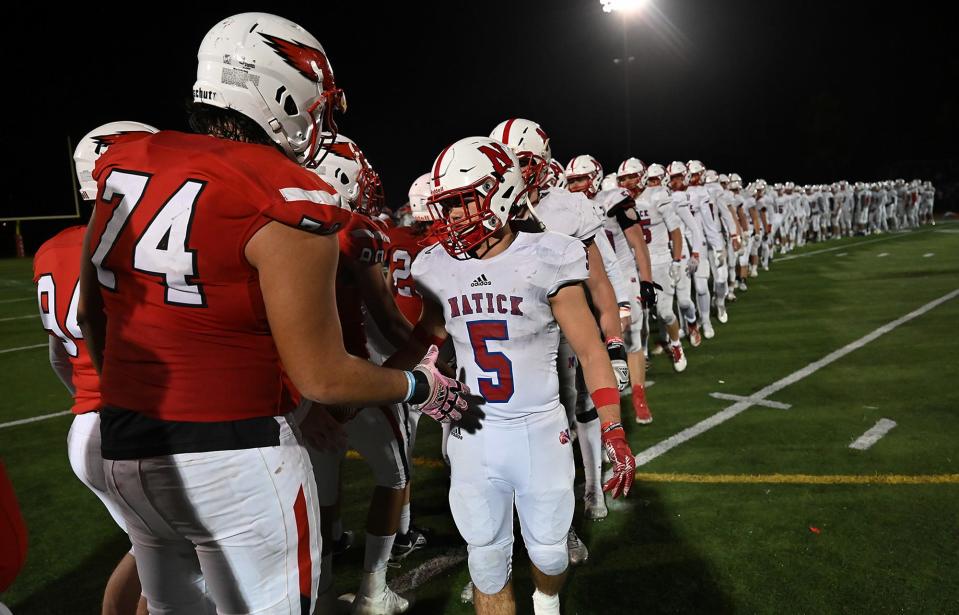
(608, 396)
(420, 335)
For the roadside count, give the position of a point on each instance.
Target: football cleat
(404, 544)
(730, 297)
(376, 598)
(578, 553)
(721, 314)
(657, 348)
(742, 286)
(643, 415)
(708, 331)
(466, 594)
(695, 338)
(753, 272)
(594, 505)
(679, 358)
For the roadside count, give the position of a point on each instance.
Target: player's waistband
(522, 418)
(126, 434)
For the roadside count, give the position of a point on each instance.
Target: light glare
(622, 6)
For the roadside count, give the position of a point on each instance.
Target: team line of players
(535, 281)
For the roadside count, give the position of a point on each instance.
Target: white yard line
(33, 419)
(19, 348)
(756, 401)
(20, 317)
(18, 300)
(722, 416)
(882, 254)
(928, 254)
(872, 436)
(789, 257)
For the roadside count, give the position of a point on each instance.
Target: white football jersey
(614, 232)
(657, 218)
(498, 315)
(569, 213)
(692, 230)
(703, 206)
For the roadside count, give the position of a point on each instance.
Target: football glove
(620, 457)
(675, 271)
(693, 263)
(647, 293)
(445, 397)
(616, 350)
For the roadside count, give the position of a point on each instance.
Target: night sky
(805, 91)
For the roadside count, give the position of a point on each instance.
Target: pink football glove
(447, 397)
(624, 464)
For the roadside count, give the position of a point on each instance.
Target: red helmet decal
(305, 59)
(344, 149)
(542, 134)
(497, 156)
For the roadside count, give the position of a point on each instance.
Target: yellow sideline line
(802, 479)
(759, 479)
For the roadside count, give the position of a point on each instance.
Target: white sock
(703, 299)
(675, 343)
(544, 604)
(326, 573)
(405, 520)
(377, 552)
(590, 445)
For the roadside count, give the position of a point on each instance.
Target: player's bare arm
(602, 294)
(430, 329)
(572, 313)
(304, 323)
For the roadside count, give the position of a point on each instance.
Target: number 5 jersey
(498, 314)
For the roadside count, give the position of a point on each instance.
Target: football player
(506, 335)
(692, 231)
(703, 208)
(56, 272)
(205, 283)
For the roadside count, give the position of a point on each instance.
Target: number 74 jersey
(499, 317)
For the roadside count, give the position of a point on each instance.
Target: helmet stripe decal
(436, 166)
(509, 124)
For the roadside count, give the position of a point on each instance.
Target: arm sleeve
(570, 268)
(60, 362)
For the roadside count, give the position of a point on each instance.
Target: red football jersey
(187, 335)
(404, 246)
(361, 241)
(56, 272)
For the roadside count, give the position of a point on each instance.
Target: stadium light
(623, 6)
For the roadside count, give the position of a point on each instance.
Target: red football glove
(447, 396)
(624, 464)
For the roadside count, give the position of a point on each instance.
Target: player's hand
(647, 293)
(621, 458)
(675, 271)
(719, 258)
(625, 315)
(446, 400)
(737, 244)
(693, 263)
(322, 430)
(616, 350)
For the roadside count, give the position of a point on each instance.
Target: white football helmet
(676, 168)
(695, 167)
(654, 171)
(530, 143)
(735, 181)
(476, 170)
(710, 177)
(419, 193)
(630, 175)
(556, 176)
(343, 166)
(274, 72)
(93, 145)
(586, 166)
(723, 179)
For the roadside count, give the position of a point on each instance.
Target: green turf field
(769, 511)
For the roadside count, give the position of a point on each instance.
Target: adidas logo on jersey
(481, 281)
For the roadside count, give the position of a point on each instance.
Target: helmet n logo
(498, 158)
